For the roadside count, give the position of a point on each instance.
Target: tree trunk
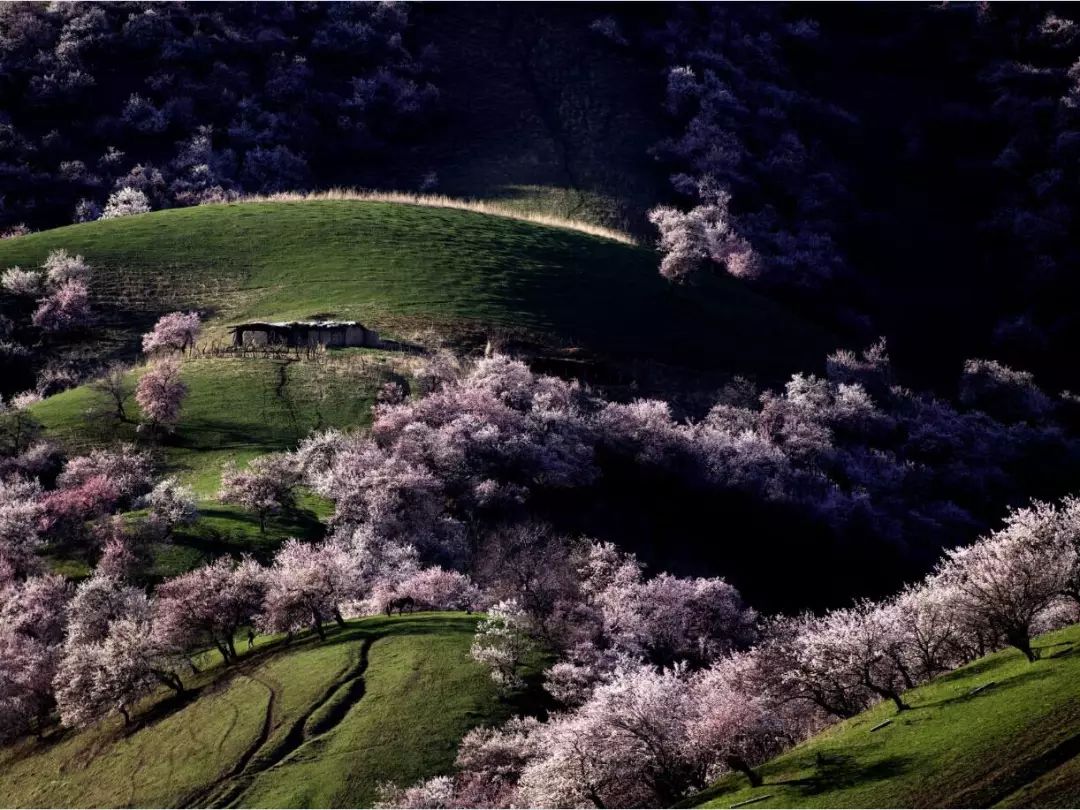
(171, 680)
(224, 650)
(891, 694)
(909, 682)
(739, 764)
(339, 618)
(1022, 642)
(124, 712)
(232, 648)
(837, 711)
(316, 623)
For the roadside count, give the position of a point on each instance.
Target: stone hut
(304, 333)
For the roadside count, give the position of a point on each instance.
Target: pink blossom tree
(627, 746)
(128, 469)
(20, 524)
(666, 618)
(691, 620)
(794, 674)
(706, 234)
(94, 679)
(859, 648)
(266, 487)
(31, 631)
(1055, 529)
(65, 512)
(64, 308)
(308, 585)
(535, 565)
(209, 605)
(732, 724)
(489, 762)
(436, 588)
(61, 267)
(112, 655)
(175, 332)
(160, 392)
(931, 635)
(125, 203)
(170, 504)
(22, 283)
(97, 601)
(125, 551)
(502, 640)
(1003, 392)
(1006, 581)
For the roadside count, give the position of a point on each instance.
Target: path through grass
(298, 740)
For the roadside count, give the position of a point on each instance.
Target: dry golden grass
(441, 201)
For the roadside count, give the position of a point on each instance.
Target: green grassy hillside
(401, 268)
(236, 409)
(1015, 743)
(309, 724)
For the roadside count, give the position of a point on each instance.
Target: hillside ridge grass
(490, 207)
(1014, 743)
(267, 732)
(409, 269)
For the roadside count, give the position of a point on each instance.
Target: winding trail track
(321, 718)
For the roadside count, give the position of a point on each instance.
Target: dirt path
(205, 797)
(338, 700)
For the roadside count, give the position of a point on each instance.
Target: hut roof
(297, 324)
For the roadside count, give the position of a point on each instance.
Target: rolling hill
(416, 270)
(391, 697)
(422, 272)
(1013, 743)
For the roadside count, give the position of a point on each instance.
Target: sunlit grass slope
(236, 409)
(1013, 744)
(305, 725)
(399, 266)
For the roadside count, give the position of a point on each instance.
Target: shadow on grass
(210, 434)
(162, 709)
(978, 668)
(836, 771)
(1070, 649)
(1024, 773)
(1036, 673)
(241, 535)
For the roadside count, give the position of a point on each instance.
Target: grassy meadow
(1015, 743)
(405, 269)
(236, 409)
(392, 697)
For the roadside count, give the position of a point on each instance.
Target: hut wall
(253, 338)
(300, 335)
